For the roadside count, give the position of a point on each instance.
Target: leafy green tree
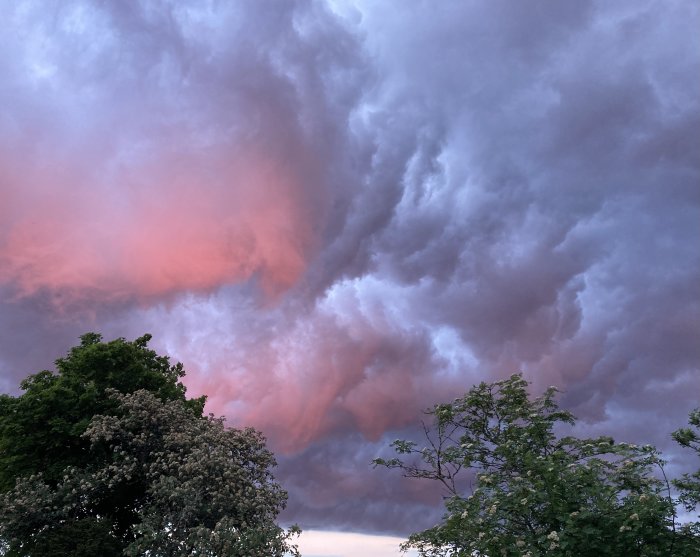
(532, 493)
(108, 457)
(208, 490)
(689, 484)
(40, 431)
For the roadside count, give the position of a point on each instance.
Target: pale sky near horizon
(319, 543)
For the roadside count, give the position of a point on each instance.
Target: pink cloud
(310, 376)
(181, 221)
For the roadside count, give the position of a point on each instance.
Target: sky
(339, 213)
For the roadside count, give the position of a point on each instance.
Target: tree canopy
(107, 456)
(689, 484)
(530, 492)
(40, 431)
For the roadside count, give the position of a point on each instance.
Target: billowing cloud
(336, 216)
(148, 152)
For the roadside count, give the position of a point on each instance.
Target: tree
(689, 484)
(40, 431)
(136, 469)
(530, 492)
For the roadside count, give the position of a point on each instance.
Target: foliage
(533, 493)
(147, 474)
(40, 431)
(689, 484)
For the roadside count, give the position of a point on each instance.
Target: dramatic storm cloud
(337, 214)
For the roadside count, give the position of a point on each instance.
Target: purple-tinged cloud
(337, 214)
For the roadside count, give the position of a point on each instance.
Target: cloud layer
(337, 216)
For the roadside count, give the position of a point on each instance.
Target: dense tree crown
(689, 484)
(108, 457)
(41, 430)
(531, 493)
